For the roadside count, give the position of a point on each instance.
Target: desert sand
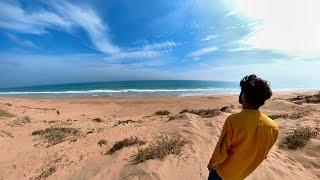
(27, 156)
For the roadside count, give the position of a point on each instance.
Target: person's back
(245, 140)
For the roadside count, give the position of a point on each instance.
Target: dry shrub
(21, 121)
(178, 116)
(55, 135)
(102, 142)
(296, 115)
(4, 113)
(227, 109)
(315, 99)
(98, 120)
(124, 122)
(298, 138)
(46, 173)
(159, 149)
(6, 133)
(125, 143)
(204, 113)
(8, 104)
(162, 113)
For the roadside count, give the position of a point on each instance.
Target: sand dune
(27, 156)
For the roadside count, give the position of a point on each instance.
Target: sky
(50, 42)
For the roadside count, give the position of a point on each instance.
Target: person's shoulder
(268, 122)
(233, 117)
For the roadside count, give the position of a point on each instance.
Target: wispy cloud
(231, 13)
(87, 19)
(13, 17)
(22, 42)
(209, 37)
(203, 51)
(148, 50)
(64, 16)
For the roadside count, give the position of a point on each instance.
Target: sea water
(128, 88)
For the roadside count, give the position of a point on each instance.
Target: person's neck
(249, 107)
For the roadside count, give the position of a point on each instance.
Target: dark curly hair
(256, 91)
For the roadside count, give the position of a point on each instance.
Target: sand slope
(23, 156)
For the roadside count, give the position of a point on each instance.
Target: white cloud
(209, 37)
(87, 19)
(149, 50)
(231, 13)
(161, 45)
(21, 42)
(65, 17)
(203, 51)
(290, 26)
(13, 17)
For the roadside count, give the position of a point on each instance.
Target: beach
(92, 125)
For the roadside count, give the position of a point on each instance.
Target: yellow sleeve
(221, 150)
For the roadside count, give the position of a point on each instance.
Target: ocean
(127, 89)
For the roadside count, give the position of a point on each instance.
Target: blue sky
(47, 42)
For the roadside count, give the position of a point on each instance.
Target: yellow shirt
(244, 143)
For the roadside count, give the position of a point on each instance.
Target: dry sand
(23, 156)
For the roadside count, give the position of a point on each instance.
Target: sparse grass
(315, 99)
(20, 121)
(162, 113)
(125, 143)
(4, 113)
(124, 122)
(296, 115)
(277, 116)
(204, 113)
(298, 138)
(102, 142)
(98, 120)
(159, 149)
(55, 135)
(7, 133)
(227, 109)
(178, 116)
(46, 173)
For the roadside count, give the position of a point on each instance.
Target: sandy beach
(25, 153)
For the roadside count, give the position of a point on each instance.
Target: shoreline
(276, 92)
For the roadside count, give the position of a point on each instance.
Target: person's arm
(221, 150)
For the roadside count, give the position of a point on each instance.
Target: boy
(246, 137)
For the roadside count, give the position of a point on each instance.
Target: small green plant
(298, 138)
(55, 135)
(162, 113)
(125, 143)
(4, 113)
(159, 149)
(204, 113)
